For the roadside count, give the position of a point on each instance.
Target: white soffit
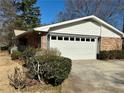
(19, 32)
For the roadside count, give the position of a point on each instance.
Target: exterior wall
(108, 43)
(44, 40)
(105, 32)
(109, 40)
(84, 28)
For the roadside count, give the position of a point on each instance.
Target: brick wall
(110, 44)
(43, 41)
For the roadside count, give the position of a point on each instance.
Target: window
(71, 38)
(66, 38)
(60, 38)
(92, 39)
(82, 39)
(77, 39)
(87, 39)
(53, 37)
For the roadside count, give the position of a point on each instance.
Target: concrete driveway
(95, 77)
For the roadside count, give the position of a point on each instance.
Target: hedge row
(113, 54)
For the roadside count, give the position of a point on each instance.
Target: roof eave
(42, 29)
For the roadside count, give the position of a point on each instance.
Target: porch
(26, 39)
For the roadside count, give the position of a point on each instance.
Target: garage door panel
(75, 50)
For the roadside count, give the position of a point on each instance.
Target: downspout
(123, 35)
(39, 39)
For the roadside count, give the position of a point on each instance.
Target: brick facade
(110, 44)
(44, 40)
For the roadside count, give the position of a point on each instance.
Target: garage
(74, 46)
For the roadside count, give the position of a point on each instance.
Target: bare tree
(103, 9)
(7, 11)
(7, 17)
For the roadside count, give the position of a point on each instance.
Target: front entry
(22, 43)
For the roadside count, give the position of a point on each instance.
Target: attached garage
(78, 39)
(75, 47)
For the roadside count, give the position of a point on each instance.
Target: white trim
(65, 34)
(18, 32)
(47, 28)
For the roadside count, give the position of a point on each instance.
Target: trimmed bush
(120, 55)
(52, 71)
(113, 54)
(57, 70)
(49, 68)
(46, 65)
(103, 55)
(16, 55)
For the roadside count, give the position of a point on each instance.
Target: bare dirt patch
(95, 76)
(7, 66)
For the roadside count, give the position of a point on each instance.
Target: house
(77, 39)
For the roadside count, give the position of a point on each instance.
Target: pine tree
(27, 15)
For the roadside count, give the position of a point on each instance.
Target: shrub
(50, 68)
(53, 52)
(57, 70)
(18, 79)
(113, 54)
(16, 55)
(29, 52)
(103, 55)
(120, 55)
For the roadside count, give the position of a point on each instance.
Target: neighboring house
(77, 39)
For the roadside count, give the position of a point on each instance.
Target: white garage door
(76, 48)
